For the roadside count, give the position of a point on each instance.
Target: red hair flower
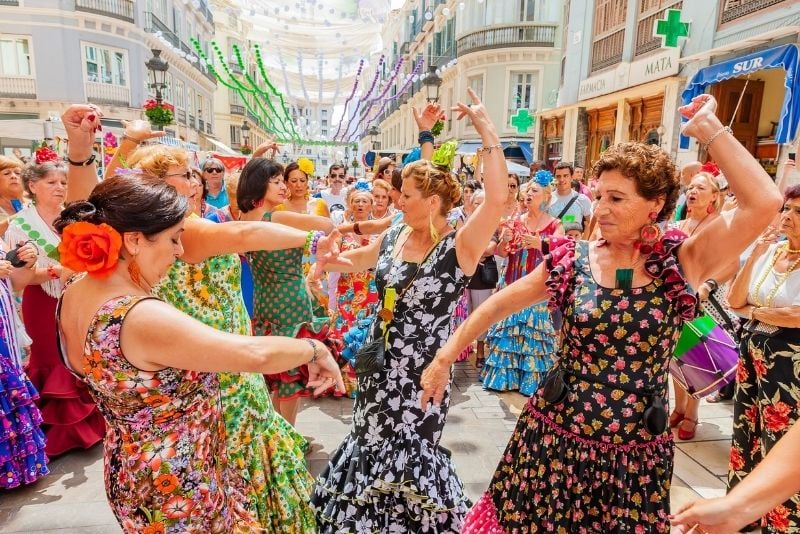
(710, 167)
(45, 155)
(90, 248)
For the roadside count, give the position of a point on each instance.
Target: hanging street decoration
(671, 29)
(522, 120)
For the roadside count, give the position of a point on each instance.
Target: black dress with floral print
(588, 464)
(390, 474)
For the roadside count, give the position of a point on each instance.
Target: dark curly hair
(650, 168)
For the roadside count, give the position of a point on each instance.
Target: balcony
(18, 86)
(234, 67)
(201, 125)
(180, 116)
(607, 51)
(9, 2)
(192, 124)
(106, 93)
(208, 128)
(153, 24)
(735, 9)
(645, 42)
(237, 109)
(527, 34)
(119, 9)
(255, 120)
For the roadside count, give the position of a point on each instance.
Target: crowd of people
(571, 287)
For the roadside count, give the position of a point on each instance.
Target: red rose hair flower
(90, 248)
(45, 155)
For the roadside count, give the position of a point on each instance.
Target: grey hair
(36, 171)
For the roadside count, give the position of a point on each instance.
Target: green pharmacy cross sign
(671, 28)
(522, 120)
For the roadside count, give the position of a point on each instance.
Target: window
(523, 91)
(235, 135)
(15, 57)
(324, 132)
(324, 112)
(105, 65)
(476, 84)
(180, 95)
(166, 92)
(526, 11)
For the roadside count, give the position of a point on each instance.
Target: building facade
(620, 82)
(508, 52)
(53, 54)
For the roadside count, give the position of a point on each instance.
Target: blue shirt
(219, 201)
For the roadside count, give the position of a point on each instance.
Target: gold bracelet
(753, 311)
(489, 149)
(717, 134)
(131, 139)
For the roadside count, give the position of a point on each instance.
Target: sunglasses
(214, 169)
(337, 175)
(187, 175)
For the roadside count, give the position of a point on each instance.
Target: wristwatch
(84, 163)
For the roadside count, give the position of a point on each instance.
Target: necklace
(623, 278)
(696, 226)
(779, 280)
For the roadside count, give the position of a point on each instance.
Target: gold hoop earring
(434, 233)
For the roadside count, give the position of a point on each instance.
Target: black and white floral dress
(390, 474)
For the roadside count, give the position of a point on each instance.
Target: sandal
(684, 434)
(675, 418)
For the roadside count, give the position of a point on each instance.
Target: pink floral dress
(165, 460)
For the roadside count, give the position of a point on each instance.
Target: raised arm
(426, 119)
(136, 132)
(81, 121)
(371, 227)
(511, 299)
(190, 344)
(709, 250)
(471, 240)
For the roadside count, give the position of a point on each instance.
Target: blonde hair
(10, 163)
(380, 183)
(432, 180)
(547, 192)
(157, 159)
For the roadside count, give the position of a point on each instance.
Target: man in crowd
(334, 196)
(567, 204)
(214, 177)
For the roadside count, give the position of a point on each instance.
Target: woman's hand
(139, 131)
(324, 373)
(81, 121)
(267, 146)
(434, 381)
(328, 254)
(477, 114)
(426, 118)
(532, 241)
(769, 237)
(715, 516)
(703, 120)
(5, 268)
(29, 254)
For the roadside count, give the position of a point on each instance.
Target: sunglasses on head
(214, 169)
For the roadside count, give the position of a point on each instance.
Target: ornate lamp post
(373, 133)
(158, 73)
(432, 82)
(245, 137)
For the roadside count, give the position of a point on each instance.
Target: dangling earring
(134, 271)
(648, 235)
(434, 233)
(258, 203)
(710, 208)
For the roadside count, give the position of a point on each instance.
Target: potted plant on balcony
(159, 115)
(246, 149)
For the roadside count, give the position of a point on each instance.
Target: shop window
(605, 142)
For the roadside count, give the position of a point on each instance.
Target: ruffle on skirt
(400, 486)
(520, 349)
(550, 479)
(22, 442)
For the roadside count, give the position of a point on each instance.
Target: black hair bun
(78, 211)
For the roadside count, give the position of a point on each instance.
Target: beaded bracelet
(312, 240)
(316, 352)
(315, 241)
(489, 149)
(425, 136)
(717, 134)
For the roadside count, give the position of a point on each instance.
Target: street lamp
(246, 133)
(158, 73)
(432, 82)
(285, 158)
(354, 164)
(373, 133)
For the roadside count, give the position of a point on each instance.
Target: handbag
(486, 275)
(757, 327)
(371, 357)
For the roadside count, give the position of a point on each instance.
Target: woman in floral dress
(390, 474)
(522, 347)
(585, 455)
(167, 466)
(261, 444)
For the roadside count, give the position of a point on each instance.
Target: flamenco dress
(390, 474)
(22, 442)
(588, 464)
(261, 445)
(166, 465)
(521, 348)
(70, 419)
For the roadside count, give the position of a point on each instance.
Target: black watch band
(89, 161)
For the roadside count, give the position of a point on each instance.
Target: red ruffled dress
(588, 464)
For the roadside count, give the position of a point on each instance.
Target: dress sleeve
(559, 263)
(663, 263)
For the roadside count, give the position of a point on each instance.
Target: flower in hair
(543, 177)
(306, 165)
(90, 248)
(444, 155)
(710, 167)
(414, 155)
(363, 185)
(45, 155)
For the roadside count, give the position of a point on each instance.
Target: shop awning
(785, 57)
(471, 147)
(519, 170)
(222, 147)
